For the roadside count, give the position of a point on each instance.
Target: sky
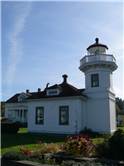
(43, 40)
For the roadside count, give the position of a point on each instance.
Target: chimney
(97, 40)
(39, 90)
(27, 90)
(64, 78)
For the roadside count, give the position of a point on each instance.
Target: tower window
(94, 80)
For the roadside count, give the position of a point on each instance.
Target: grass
(13, 142)
(122, 128)
(98, 140)
(23, 130)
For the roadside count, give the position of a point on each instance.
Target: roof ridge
(69, 85)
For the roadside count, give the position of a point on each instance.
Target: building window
(25, 114)
(39, 115)
(20, 113)
(52, 92)
(63, 115)
(94, 80)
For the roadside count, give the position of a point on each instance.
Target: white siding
(105, 79)
(100, 108)
(112, 113)
(51, 116)
(98, 115)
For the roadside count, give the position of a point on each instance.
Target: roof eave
(94, 45)
(59, 98)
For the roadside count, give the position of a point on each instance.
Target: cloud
(15, 39)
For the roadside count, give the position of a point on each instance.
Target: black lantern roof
(97, 44)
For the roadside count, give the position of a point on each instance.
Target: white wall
(100, 107)
(51, 115)
(112, 112)
(105, 79)
(98, 112)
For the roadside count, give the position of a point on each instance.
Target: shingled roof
(67, 90)
(13, 99)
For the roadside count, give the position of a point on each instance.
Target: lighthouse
(98, 67)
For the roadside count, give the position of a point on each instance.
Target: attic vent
(52, 92)
(22, 97)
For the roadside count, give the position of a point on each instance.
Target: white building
(65, 109)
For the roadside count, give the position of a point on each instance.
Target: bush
(25, 151)
(102, 150)
(116, 144)
(9, 127)
(49, 148)
(3, 119)
(89, 132)
(113, 147)
(42, 150)
(79, 145)
(14, 156)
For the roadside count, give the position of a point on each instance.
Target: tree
(2, 106)
(120, 103)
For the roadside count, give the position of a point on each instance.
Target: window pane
(21, 113)
(94, 80)
(25, 114)
(39, 115)
(64, 115)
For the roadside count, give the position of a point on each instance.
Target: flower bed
(79, 145)
(75, 148)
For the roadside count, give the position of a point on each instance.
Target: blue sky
(43, 40)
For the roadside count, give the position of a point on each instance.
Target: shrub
(41, 151)
(102, 150)
(50, 148)
(79, 145)
(3, 119)
(113, 147)
(89, 132)
(26, 151)
(116, 144)
(9, 127)
(14, 156)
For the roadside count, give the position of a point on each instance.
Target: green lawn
(122, 128)
(23, 130)
(13, 142)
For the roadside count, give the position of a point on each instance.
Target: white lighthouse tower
(100, 107)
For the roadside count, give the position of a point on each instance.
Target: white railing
(96, 58)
